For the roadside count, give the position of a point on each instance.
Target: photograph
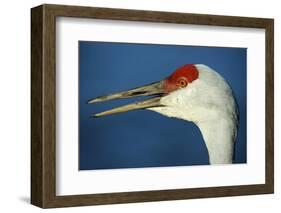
(160, 105)
(140, 105)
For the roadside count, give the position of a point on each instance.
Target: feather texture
(208, 102)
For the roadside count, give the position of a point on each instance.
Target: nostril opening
(138, 93)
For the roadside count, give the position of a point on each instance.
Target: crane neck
(219, 137)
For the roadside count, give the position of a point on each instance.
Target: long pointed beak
(155, 89)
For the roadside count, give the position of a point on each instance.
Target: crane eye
(182, 83)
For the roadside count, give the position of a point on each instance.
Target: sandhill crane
(196, 93)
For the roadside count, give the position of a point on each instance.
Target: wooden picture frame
(43, 105)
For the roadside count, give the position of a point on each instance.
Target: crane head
(189, 93)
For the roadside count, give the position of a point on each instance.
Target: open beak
(156, 90)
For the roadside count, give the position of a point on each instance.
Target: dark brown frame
(43, 105)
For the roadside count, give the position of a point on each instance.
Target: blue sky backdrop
(144, 138)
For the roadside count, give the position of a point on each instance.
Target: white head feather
(208, 102)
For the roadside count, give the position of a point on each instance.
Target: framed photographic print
(136, 106)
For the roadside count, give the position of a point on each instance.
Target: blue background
(144, 138)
